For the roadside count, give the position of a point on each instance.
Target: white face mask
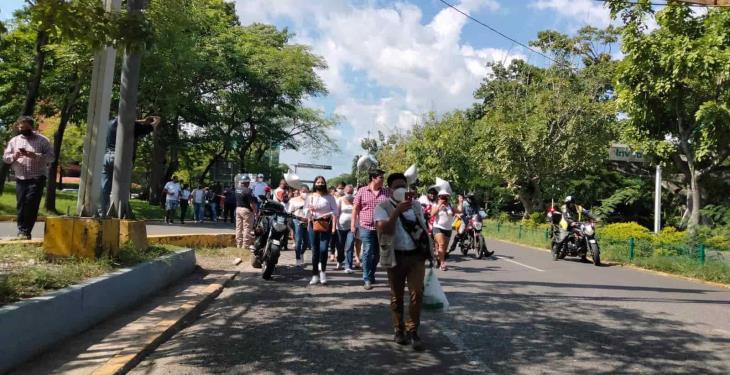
(399, 194)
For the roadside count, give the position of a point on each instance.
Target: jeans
(28, 195)
(319, 241)
(370, 253)
(107, 176)
(300, 238)
(345, 247)
(199, 210)
(183, 210)
(213, 212)
(229, 212)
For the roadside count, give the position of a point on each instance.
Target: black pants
(229, 212)
(28, 195)
(183, 210)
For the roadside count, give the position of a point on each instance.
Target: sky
(391, 62)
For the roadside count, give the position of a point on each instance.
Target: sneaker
(323, 278)
(315, 280)
(349, 270)
(416, 342)
(299, 262)
(368, 285)
(400, 338)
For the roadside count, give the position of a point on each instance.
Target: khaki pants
(244, 222)
(410, 270)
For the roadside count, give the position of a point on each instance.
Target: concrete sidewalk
(9, 229)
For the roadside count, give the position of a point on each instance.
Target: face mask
(399, 194)
(27, 132)
(349, 197)
(339, 191)
(321, 188)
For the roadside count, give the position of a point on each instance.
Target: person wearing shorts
(443, 215)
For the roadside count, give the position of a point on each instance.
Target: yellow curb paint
(134, 353)
(195, 240)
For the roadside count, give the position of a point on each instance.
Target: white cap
(444, 192)
(260, 175)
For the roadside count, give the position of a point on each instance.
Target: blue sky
(392, 61)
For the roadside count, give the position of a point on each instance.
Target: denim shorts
(171, 204)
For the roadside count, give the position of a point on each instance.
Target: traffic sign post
(621, 152)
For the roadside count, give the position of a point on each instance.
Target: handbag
(323, 224)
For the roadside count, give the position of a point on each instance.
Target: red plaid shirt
(366, 201)
(26, 168)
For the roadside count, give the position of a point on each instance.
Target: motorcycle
(469, 237)
(581, 240)
(272, 233)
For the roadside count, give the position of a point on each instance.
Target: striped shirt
(366, 201)
(26, 168)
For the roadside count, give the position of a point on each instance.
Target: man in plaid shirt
(28, 154)
(366, 200)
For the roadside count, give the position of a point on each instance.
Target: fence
(689, 259)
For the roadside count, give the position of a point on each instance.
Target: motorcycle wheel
(597, 260)
(556, 251)
(480, 246)
(463, 247)
(270, 264)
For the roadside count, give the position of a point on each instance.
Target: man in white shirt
(172, 199)
(198, 197)
(259, 188)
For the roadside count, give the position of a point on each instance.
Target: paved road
(518, 313)
(9, 229)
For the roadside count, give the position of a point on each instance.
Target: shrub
(624, 231)
(502, 217)
(671, 242)
(535, 220)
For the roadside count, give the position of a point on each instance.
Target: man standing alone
(245, 212)
(28, 154)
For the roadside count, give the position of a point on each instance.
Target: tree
(674, 87)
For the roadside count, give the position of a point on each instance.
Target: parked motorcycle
(581, 240)
(272, 234)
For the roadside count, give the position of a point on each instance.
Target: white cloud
(412, 64)
(583, 12)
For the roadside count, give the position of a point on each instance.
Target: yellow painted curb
(195, 240)
(130, 356)
(632, 266)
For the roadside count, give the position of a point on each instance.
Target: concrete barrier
(29, 327)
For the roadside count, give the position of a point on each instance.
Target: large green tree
(674, 87)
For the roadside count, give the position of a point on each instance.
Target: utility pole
(119, 205)
(658, 199)
(100, 96)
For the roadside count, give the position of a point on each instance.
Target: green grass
(66, 204)
(680, 258)
(26, 272)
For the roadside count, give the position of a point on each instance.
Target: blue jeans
(213, 212)
(346, 245)
(319, 241)
(300, 238)
(199, 211)
(370, 253)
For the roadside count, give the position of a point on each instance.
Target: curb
(33, 325)
(132, 355)
(632, 266)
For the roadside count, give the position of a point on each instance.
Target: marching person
(172, 199)
(198, 198)
(366, 200)
(184, 203)
(345, 237)
(28, 154)
(443, 214)
(300, 221)
(321, 209)
(405, 247)
(245, 214)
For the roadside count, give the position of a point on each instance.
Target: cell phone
(22, 149)
(410, 195)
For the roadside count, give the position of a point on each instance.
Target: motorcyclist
(572, 215)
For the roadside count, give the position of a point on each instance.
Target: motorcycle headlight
(279, 227)
(588, 230)
(478, 226)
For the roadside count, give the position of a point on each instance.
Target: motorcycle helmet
(569, 199)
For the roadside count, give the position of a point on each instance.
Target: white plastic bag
(434, 298)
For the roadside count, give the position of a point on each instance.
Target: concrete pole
(658, 200)
(119, 203)
(100, 96)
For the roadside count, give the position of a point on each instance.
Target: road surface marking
(520, 264)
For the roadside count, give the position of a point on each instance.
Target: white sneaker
(349, 270)
(315, 280)
(299, 262)
(322, 278)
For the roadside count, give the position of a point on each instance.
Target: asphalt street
(516, 313)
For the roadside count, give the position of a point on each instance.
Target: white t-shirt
(423, 200)
(198, 196)
(445, 218)
(402, 241)
(345, 212)
(173, 190)
(259, 188)
(320, 206)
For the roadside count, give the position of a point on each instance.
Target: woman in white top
(299, 219)
(345, 238)
(444, 219)
(321, 209)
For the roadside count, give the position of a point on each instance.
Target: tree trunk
(157, 165)
(119, 207)
(53, 170)
(210, 165)
(33, 88)
(696, 200)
